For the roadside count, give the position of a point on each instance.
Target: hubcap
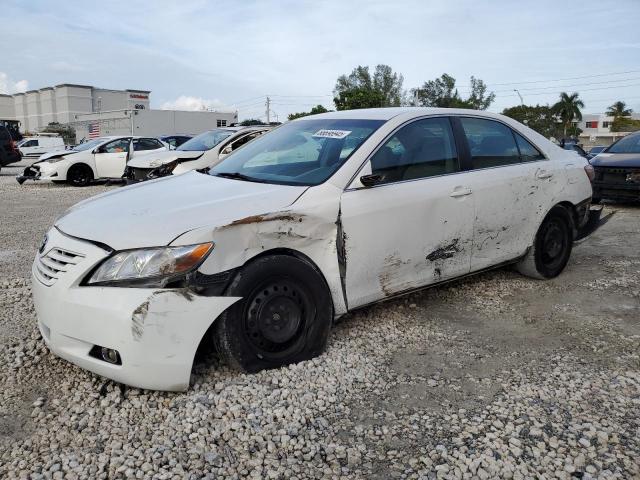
(276, 316)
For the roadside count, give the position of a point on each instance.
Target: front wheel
(79, 175)
(551, 248)
(284, 316)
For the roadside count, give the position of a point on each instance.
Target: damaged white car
(200, 152)
(100, 158)
(321, 216)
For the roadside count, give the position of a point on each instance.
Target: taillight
(590, 171)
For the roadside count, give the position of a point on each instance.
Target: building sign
(139, 95)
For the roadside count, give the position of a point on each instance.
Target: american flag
(94, 130)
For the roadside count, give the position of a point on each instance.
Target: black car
(175, 141)
(617, 170)
(8, 151)
(574, 147)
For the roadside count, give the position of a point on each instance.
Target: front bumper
(155, 331)
(136, 174)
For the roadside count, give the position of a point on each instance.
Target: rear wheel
(551, 248)
(284, 316)
(79, 175)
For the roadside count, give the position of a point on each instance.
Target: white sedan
(200, 152)
(101, 158)
(321, 216)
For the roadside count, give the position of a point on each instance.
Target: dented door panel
(405, 235)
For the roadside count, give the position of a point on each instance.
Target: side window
(528, 153)
(30, 143)
(146, 144)
(423, 148)
(245, 139)
(117, 146)
(491, 143)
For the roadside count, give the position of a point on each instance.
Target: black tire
(551, 248)
(284, 317)
(79, 175)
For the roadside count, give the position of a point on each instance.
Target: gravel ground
(494, 376)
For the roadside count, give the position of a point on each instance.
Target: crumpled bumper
(29, 173)
(156, 332)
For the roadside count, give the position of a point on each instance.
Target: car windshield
(596, 150)
(205, 141)
(630, 144)
(88, 145)
(305, 152)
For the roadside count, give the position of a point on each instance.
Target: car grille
(54, 264)
(140, 173)
(614, 175)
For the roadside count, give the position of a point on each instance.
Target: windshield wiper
(238, 176)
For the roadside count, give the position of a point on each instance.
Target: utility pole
(521, 101)
(268, 111)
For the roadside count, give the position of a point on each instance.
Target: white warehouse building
(104, 111)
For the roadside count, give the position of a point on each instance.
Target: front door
(111, 158)
(414, 226)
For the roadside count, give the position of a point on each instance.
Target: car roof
(390, 112)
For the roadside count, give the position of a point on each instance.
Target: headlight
(156, 264)
(55, 159)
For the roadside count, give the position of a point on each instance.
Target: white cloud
(9, 86)
(186, 102)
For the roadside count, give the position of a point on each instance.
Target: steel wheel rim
(554, 244)
(276, 317)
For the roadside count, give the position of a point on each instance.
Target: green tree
(619, 109)
(360, 89)
(67, 133)
(568, 109)
(315, 110)
(540, 118)
(625, 124)
(250, 121)
(442, 92)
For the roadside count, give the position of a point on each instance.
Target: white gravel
(494, 377)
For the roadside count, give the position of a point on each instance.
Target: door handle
(460, 192)
(542, 175)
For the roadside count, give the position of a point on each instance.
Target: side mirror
(371, 180)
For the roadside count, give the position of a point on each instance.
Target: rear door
(415, 225)
(111, 158)
(511, 182)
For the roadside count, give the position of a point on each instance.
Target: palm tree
(619, 109)
(568, 109)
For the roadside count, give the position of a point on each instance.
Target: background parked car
(174, 141)
(574, 147)
(8, 151)
(102, 158)
(202, 151)
(595, 150)
(33, 147)
(617, 170)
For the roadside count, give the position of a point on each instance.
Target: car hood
(155, 213)
(153, 160)
(623, 160)
(56, 153)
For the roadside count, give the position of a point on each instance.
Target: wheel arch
(571, 210)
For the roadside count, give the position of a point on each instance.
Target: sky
(230, 55)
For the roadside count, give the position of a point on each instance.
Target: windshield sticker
(331, 133)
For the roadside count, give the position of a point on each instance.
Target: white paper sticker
(331, 133)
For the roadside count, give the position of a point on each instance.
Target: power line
(583, 90)
(556, 79)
